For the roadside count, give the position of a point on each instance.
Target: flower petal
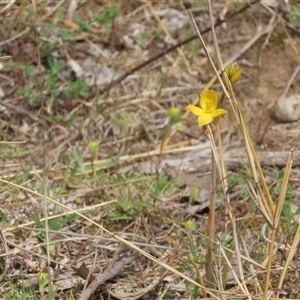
(197, 111)
(205, 119)
(209, 100)
(219, 112)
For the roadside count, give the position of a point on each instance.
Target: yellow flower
(208, 110)
(190, 223)
(94, 145)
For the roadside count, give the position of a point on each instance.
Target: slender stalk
(211, 216)
(290, 257)
(276, 220)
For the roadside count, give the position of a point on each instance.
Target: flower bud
(175, 115)
(233, 72)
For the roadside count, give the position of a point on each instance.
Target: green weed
(109, 14)
(143, 37)
(67, 35)
(19, 293)
(76, 88)
(294, 16)
(56, 223)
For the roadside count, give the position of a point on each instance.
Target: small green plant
(109, 13)
(143, 190)
(28, 90)
(56, 66)
(120, 124)
(236, 181)
(66, 34)
(25, 176)
(56, 223)
(29, 94)
(287, 214)
(76, 88)
(195, 47)
(58, 16)
(29, 72)
(143, 37)
(126, 208)
(15, 292)
(94, 147)
(79, 159)
(82, 25)
(104, 19)
(161, 186)
(43, 280)
(294, 16)
(3, 218)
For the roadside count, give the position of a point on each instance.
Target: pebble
(287, 109)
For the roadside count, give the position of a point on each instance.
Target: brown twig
(168, 50)
(112, 272)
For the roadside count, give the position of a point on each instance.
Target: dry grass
(102, 163)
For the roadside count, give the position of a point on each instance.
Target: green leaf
(59, 15)
(66, 35)
(55, 66)
(143, 37)
(79, 158)
(4, 218)
(37, 220)
(110, 13)
(54, 224)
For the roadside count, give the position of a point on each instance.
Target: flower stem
(211, 216)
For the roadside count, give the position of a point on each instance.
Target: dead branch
(112, 272)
